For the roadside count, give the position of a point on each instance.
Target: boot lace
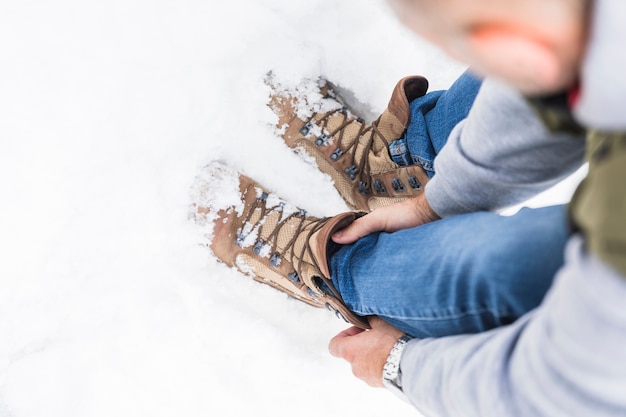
(303, 224)
(359, 167)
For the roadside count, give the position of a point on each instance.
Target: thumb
(337, 345)
(363, 226)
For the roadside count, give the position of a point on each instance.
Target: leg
(412, 129)
(433, 116)
(465, 274)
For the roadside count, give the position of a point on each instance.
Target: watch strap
(392, 375)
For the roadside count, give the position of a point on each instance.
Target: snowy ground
(108, 305)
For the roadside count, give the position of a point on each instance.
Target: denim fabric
(463, 274)
(433, 116)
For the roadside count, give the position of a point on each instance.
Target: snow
(215, 188)
(109, 303)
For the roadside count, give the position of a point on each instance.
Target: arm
(500, 155)
(567, 358)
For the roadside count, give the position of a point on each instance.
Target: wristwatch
(392, 375)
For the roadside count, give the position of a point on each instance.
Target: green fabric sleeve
(598, 207)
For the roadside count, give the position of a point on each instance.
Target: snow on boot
(355, 154)
(268, 239)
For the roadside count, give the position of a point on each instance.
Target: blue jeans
(433, 117)
(464, 274)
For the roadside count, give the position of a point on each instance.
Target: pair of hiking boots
(278, 244)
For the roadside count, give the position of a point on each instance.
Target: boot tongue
(395, 119)
(391, 125)
(319, 240)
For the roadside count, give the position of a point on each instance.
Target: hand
(398, 216)
(366, 350)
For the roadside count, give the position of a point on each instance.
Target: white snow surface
(109, 304)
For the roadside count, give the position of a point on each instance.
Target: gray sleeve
(566, 358)
(500, 155)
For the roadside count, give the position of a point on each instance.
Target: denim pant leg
(464, 274)
(433, 116)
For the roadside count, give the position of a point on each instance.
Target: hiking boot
(268, 239)
(355, 154)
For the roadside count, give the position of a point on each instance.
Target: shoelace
(304, 223)
(354, 171)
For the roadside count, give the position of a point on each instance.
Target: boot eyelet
(294, 277)
(397, 185)
(379, 187)
(275, 260)
(321, 140)
(304, 130)
(414, 183)
(351, 172)
(336, 154)
(263, 197)
(364, 188)
(337, 312)
(258, 247)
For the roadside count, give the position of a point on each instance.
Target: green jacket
(598, 207)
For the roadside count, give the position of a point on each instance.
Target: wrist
(425, 210)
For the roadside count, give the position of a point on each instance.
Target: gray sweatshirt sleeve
(500, 155)
(566, 358)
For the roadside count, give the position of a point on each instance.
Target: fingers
(372, 222)
(341, 345)
(403, 215)
(366, 350)
(337, 345)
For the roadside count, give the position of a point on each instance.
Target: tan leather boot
(268, 239)
(355, 154)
